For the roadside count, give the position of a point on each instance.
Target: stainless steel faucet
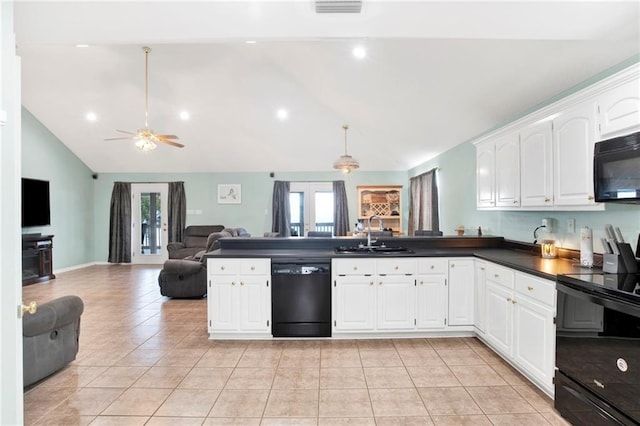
(369, 228)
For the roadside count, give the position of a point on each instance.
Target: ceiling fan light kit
(346, 163)
(146, 139)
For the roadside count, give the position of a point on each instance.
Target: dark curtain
(423, 202)
(281, 222)
(340, 209)
(120, 223)
(177, 211)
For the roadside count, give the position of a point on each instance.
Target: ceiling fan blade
(125, 131)
(119, 139)
(168, 142)
(168, 136)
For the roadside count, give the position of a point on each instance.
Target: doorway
(311, 205)
(149, 223)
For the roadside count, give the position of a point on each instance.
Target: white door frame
(309, 189)
(137, 256)
(11, 392)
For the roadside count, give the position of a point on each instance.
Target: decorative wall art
(229, 194)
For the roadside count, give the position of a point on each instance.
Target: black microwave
(616, 169)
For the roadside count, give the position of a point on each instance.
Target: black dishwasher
(301, 299)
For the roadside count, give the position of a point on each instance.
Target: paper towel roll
(586, 247)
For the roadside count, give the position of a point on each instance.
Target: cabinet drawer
(354, 266)
(536, 288)
(500, 275)
(397, 266)
(223, 266)
(255, 267)
(432, 265)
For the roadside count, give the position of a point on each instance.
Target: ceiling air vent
(338, 6)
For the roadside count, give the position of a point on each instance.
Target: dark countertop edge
(521, 260)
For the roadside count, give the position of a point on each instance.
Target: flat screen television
(35, 203)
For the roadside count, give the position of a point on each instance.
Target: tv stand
(37, 258)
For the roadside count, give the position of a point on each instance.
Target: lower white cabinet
(519, 321)
(239, 296)
(479, 281)
(461, 291)
(396, 302)
(354, 303)
(431, 293)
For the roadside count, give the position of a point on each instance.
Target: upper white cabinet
(508, 170)
(485, 174)
(619, 110)
(536, 166)
(544, 161)
(573, 141)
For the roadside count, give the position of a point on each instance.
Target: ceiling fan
(145, 138)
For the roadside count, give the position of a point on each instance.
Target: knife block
(613, 264)
(628, 258)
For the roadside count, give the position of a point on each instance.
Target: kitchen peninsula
(495, 289)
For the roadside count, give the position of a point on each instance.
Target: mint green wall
(71, 192)
(253, 214)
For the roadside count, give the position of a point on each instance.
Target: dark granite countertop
(518, 256)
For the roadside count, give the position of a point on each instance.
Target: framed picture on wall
(229, 193)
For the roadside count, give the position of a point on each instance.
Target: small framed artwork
(229, 193)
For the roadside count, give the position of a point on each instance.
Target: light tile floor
(146, 360)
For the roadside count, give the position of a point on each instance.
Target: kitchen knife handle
(619, 235)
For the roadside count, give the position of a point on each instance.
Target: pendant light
(346, 163)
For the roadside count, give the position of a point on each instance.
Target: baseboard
(74, 267)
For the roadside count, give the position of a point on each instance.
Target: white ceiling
(436, 74)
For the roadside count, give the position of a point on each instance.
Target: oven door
(598, 347)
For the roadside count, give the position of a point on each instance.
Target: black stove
(624, 287)
(597, 381)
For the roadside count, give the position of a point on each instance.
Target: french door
(311, 206)
(149, 223)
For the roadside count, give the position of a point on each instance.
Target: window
(311, 207)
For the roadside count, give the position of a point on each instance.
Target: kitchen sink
(372, 250)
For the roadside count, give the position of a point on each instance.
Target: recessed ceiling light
(184, 115)
(282, 114)
(91, 116)
(82, 45)
(250, 42)
(359, 52)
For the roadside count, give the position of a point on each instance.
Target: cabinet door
(534, 339)
(431, 292)
(355, 303)
(499, 317)
(255, 303)
(396, 302)
(507, 170)
(222, 303)
(461, 292)
(479, 281)
(485, 174)
(619, 109)
(536, 165)
(573, 140)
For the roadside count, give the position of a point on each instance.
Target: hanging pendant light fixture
(346, 163)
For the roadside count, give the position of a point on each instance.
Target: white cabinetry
(479, 293)
(239, 296)
(508, 170)
(355, 294)
(536, 165)
(396, 294)
(431, 293)
(461, 300)
(485, 174)
(519, 321)
(573, 142)
(619, 110)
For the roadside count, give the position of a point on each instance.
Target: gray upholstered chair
(427, 233)
(187, 278)
(50, 337)
(194, 241)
